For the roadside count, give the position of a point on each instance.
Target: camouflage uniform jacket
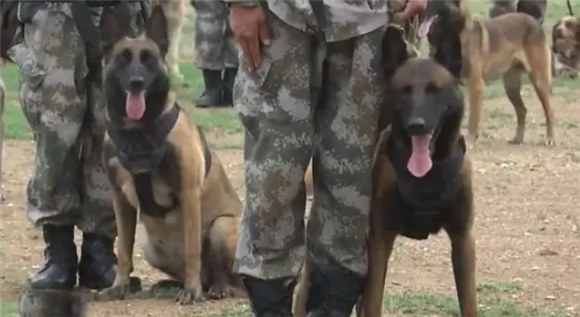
(345, 18)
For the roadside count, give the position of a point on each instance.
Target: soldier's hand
(414, 7)
(250, 29)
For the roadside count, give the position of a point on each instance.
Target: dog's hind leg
(541, 77)
(476, 85)
(223, 238)
(301, 293)
(512, 83)
(463, 259)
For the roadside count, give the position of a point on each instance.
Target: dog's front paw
(116, 292)
(190, 295)
(471, 140)
(550, 142)
(221, 291)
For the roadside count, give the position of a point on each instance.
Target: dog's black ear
(111, 30)
(448, 54)
(394, 51)
(157, 29)
(448, 50)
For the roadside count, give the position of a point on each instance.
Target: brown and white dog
(566, 46)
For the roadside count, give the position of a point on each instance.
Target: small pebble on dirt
(547, 252)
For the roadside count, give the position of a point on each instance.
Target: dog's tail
(569, 7)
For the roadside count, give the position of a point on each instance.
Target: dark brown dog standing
(534, 8)
(160, 164)
(422, 173)
(508, 45)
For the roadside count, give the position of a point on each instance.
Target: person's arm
(414, 7)
(248, 23)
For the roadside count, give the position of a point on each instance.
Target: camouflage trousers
(296, 107)
(499, 7)
(65, 112)
(215, 46)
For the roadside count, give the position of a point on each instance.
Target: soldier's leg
(97, 267)
(535, 8)
(346, 126)
(275, 108)
(231, 61)
(54, 105)
(209, 30)
(499, 7)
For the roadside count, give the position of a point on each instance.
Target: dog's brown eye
(406, 90)
(126, 55)
(431, 88)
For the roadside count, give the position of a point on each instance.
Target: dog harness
(141, 152)
(420, 201)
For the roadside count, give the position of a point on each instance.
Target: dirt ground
(527, 223)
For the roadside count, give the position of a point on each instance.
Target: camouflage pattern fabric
(289, 116)
(345, 18)
(499, 7)
(215, 45)
(65, 113)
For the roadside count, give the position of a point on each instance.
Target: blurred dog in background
(566, 46)
(175, 12)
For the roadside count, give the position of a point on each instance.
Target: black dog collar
(141, 150)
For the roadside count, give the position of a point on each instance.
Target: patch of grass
(8, 309)
(500, 287)
(236, 309)
(420, 304)
(16, 126)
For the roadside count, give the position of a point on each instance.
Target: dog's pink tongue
(420, 162)
(135, 105)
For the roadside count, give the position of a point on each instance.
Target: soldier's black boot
(98, 265)
(332, 293)
(270, 298)
(212, 95)
(59, 270)
(228, 86)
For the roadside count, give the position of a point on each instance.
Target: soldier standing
(61, 97)
(216, 53)
(309, 86)
(535, 8)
